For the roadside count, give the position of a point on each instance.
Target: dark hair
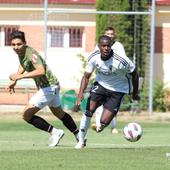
(109, 28)
(18, 34)
(104, 37)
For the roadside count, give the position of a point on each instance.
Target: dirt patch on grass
(122, 116)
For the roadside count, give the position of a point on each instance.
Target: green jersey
(30, 61)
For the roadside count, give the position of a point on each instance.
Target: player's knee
(29, 112)
(88, 113)
(25, 118)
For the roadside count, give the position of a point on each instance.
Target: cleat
(79, 145)
(85, 140)
(96, 128)
(115, 131)
(77, 139)
(56, 137)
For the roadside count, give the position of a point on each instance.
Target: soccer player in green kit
(33, 66)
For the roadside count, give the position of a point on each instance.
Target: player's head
(18, 41)
(110, 31)
(105, 44)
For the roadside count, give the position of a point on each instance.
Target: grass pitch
(22, 147)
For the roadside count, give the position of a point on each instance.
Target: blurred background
(65, 32)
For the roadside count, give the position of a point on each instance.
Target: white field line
(64, 145)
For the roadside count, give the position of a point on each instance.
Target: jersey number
(94, 89)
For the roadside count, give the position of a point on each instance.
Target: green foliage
(83, 60)
(131, 29)
(84, 63)
(126, 103)
(160, 102)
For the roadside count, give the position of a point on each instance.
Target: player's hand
(135, 97)
(76, 108)
(11, 88)
(15, 77)
(80, 97)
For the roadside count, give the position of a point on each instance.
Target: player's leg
(106, 118)
(111, 107)
(98, 114)
(38, 122)
(55, 107)
(85, 123)
(66, 119)
(94, 101)
(41, 99)
(113, 126)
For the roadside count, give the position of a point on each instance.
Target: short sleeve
(130, 66)
(89, 67)
(36, 59)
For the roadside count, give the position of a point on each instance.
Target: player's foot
(96, 128)
(77, 139)
(79, 145)
(56, 137)
(115, 131)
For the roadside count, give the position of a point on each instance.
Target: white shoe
(79, 145)
(96, 128)
(115, 131)
(77, 139)
(56, 137)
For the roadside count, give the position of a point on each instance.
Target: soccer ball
(132, 132)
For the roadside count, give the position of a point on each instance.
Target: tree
(131, 29)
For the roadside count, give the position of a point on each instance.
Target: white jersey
(113, 74)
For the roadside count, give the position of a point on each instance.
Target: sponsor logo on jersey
(34, 58)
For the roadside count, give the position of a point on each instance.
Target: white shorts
(48, 96)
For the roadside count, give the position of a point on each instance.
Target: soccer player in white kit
(115, 77)
(117, 48)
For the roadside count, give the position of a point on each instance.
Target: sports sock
(69, 123)
(98, 112)
(113, 123)
(84, 125)
(40, 123)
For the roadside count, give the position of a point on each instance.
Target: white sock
(54, 130)
(98, 112)
(113, 123)
(84, 125)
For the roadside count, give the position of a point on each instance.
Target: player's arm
(122, 49)
(83, 86)
(11, 87)
(84, 82)
(135, 83)
(19, 72)
(20, 69)
(39, 71)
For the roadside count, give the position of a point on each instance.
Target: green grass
(23, 147)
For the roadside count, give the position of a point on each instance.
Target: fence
(61, 31)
